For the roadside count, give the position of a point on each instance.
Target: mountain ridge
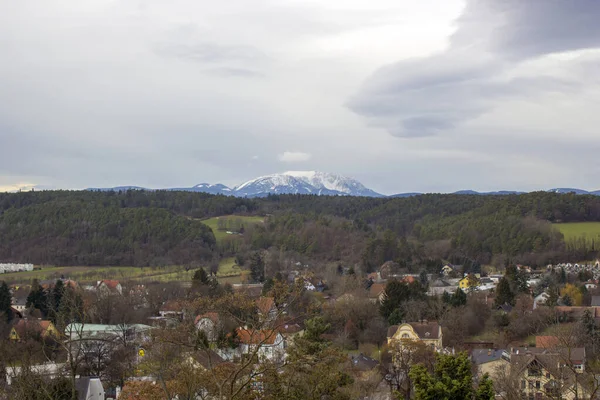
(318, 183)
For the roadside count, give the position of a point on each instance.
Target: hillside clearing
(230, 223)
(577, 231)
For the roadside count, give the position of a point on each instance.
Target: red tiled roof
(546, 342)
(24, 326)
(252, 336)
(376, 289)
(172, 305)
(408, 279)
(213, 316)
(111, 284)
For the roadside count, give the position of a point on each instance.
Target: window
(537, 384)
(405, 336)
(523, 384)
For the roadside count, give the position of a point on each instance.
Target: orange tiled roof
(546, 341)
(253, 336)
(111, 284)
(376, 289)
(213, 316)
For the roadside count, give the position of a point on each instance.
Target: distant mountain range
(313, 182)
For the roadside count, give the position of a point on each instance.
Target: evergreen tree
(485, 390)
(56, 296)
(553, 296)
(257, 267)
(447, 298)
(566, 300)
(563, 276)
(37, 298)
(5, 302)
(504, 295)
(200, 278)
(452, 379)
(423, 278)
(459, 298)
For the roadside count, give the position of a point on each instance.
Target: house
(490, 361)
(210, 324)
(266, 344)
(543, 375)
(505, 308)
(19, 299)
(364, 368)
(541, 299)
(290, 332)
(49, 370)
(89, 388)
(591, 285)
(33, 328)
(92, 336)
(171, 309)
(469, 281)
(267, 310)
(429, 333)
(447, 270)
(377, 292)
(107, 287)
(408, 279)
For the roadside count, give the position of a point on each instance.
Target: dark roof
(505, 307)
(595, 301)
(208, 359)
(482, 356)
(363, 363)
(425, 330)
(574, 354)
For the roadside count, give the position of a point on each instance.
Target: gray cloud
(480, 68)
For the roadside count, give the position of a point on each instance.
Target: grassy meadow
(220, 225)
(577, 231)
(229, 271)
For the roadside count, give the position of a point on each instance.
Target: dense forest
(164, 227)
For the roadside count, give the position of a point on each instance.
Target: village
(533, 333)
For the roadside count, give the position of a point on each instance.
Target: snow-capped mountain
(303, 182)
(327, 182)
(207, 188)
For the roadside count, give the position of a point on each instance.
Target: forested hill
(162, 227)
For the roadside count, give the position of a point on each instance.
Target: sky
(430, 96)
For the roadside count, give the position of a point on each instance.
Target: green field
(90, 274)
(220, 225)
(574, 231)
(228, 271)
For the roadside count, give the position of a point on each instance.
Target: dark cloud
(426, 96)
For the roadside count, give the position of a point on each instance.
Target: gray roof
(482, 356)
(89, 388)
(595, 301)
(363, 363)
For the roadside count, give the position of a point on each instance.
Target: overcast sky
(403, 95)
